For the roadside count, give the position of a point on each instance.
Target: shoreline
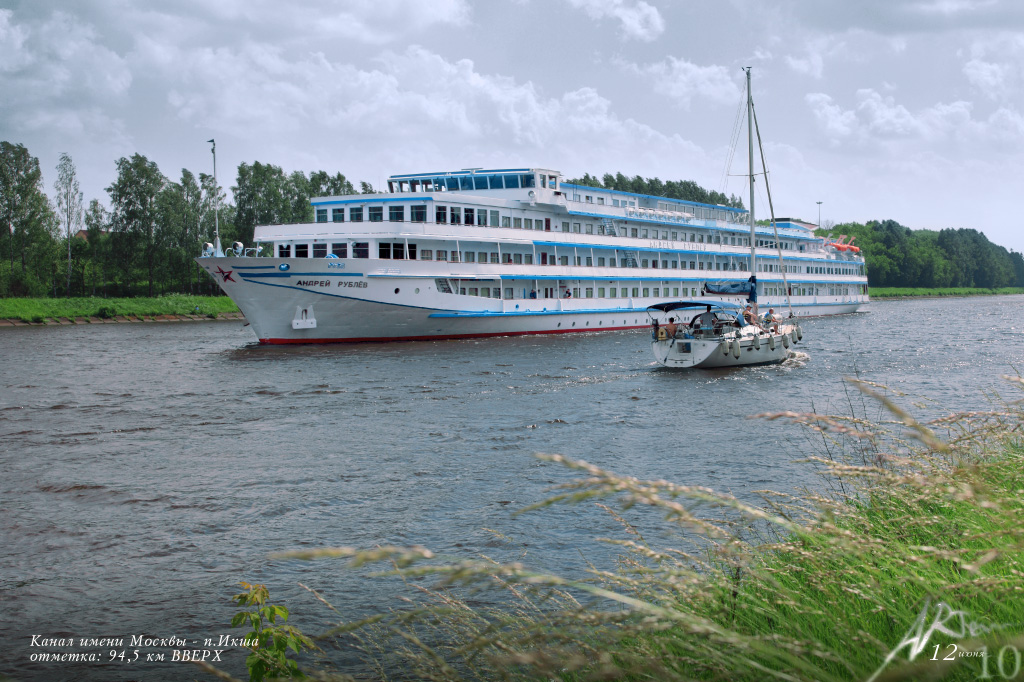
(118, 319)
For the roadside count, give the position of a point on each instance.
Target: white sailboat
(723, 334)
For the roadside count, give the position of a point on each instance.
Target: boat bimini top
(717, 306)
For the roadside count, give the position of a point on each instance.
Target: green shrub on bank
(906, 292)
(914, 532)
(36, 309)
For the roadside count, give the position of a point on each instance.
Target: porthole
(396, 290)
(574, 324)
(559, 324)
(417, 290)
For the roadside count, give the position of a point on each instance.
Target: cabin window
(517, 259)
(565, 227)
(576, 228)
(384, 250)
(468, 256)
(589, 199)
(675, 236)
(564, 260)
(321, 215)
(469, 216)
(456, 215)
(590, 292)
(340, 250)
(600, 261)
(426, 254)
(494, 219)
(284, 250)
(376, 214)
(645, 233)
(494, 256)
(590, 228)
(398, 251)
(579, 261)
(473, 291)
(508, 259)
(632, 232)
(644, 263)
(611, 262)
(528, 259)
(625, 292)
(600, 292)
(396, 214)
(419, 214)
(590, 261)
(355, 214)
(528, 223)
(319, 250)
(612, 292)
(646, 291)
(508, 293)
(664, 264)
(441, 214)
(481, 217)
(361, 250)
(454, 256)
(517, 223)
(506, 221)
(302, 250)
(442, 254)
(337, 215)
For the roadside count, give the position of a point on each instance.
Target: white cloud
(59, 77)
(996, 65)
(639, 20)
(684, 81)
(878, 118)
(812, 61)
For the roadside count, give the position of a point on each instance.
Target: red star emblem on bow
(226, 274)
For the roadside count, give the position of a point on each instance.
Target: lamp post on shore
(216, 203)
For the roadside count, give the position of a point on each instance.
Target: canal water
(146, 469)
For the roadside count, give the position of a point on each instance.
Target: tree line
(684, 190)
(897, 256)
(145, 243)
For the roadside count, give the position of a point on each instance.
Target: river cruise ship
(477, 253)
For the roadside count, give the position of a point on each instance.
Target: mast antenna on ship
(216, 204)
(750, 167)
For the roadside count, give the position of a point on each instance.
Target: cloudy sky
(903, 109)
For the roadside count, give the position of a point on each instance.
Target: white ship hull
(306, 304)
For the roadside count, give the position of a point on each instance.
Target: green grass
(905, 292)
(819, 587)
(37, 309)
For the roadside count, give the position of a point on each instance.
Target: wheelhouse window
(284, 250)
(321, 215)
(302, 250)
(337, 215)
(340, 250)
(396, 214)
(376, 214)
(419, 214)
(355, 214)
(361, 250)
(319, 250)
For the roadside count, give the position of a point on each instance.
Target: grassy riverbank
(821, 587)
(38, 309)
(906, 292)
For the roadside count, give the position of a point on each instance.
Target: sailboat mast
(750, 145)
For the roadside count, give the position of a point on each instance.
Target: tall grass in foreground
(823, 587)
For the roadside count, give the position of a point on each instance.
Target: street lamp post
(216, 203)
